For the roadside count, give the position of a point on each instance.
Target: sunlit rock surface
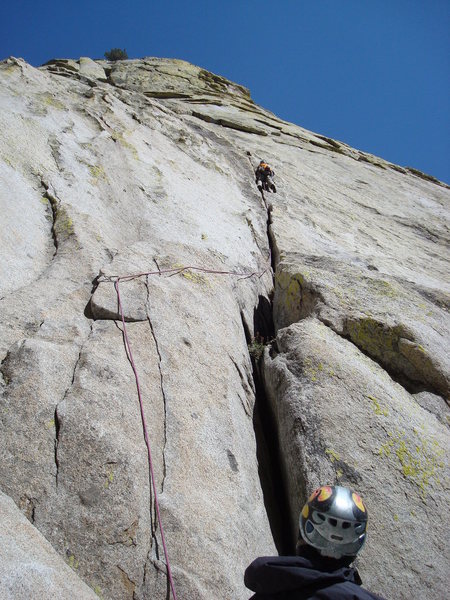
(30, 567)
(145, 167)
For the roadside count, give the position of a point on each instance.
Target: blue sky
(374, 74)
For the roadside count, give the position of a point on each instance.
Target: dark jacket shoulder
(302, 578)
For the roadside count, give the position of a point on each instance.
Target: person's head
(334, 522)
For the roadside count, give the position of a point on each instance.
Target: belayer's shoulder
(278, 561)
(273, 574)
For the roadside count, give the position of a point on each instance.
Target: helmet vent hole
(321, 516)
(345, 525)
(332, 522)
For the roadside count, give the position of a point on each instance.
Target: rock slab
(30, 567)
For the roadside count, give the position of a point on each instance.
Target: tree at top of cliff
(116, 54)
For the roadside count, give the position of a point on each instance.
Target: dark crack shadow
(266, 435)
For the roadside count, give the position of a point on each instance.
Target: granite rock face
(341, 418)
(30, 567)
(141, 172)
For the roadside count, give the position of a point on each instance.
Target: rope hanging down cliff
(147, 441)
(167, 272)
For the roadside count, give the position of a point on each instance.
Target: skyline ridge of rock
(55, 62)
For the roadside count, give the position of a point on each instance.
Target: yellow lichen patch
(313, 370)
(377, 408)
(8, 69)
(63, 223)
(7, 161)
(191, 275)
(194, 277)
(97, 172)
(281, 277)
(420, 461)
(50, 424)
(98, 592)
(293, 295)
(383, 288)
(345, 296)
(285, 279)
(310, 369)
(334, 456)
(117, 136)
(73, 562)
(50, 100)
(109, 478)
(375, 337)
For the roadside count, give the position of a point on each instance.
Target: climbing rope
(147, 441)
(179, 270)
(116, 279)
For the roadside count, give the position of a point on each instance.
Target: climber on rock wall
(264, 177)
(333, 526)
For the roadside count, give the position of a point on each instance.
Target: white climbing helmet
(334, 521)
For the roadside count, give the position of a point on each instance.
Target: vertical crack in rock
(270, 238)
(27, 505)
(248, 387)
(254, 234)
(153, 568)
(161, 376)
(268, 209)
(4, 379)
(155, 545)
(128, 583)
(88, 308)
(144, 573)
(56, 417)
(266, 435)
(266, 432)
(57, 430)
(53, 203)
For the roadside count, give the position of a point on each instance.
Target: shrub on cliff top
(116, 54)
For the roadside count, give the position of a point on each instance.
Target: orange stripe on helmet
(359, 503)
(325, 492)
(322, 494)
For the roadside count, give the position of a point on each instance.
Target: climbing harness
(116, 279)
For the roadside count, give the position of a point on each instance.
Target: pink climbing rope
(168, 273)
(147, 441)
(178, 270)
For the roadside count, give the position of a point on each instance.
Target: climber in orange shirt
(264, 177)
